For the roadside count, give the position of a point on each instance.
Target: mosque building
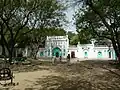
(56, 46)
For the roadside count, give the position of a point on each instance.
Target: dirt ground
(84, 75)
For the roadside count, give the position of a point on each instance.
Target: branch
(25, 21)
(100, 15)
(18, 30)
(92, 27)
(29, 30)
(10, 16)
(8, 27)
(2, 36)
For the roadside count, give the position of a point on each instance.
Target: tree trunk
(3, 47)
(3, 50)
(116, 49)
(36, 52)
(115, 41)
(35, 55)
(11, 50)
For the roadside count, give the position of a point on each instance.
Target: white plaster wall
(85, 48)
(80, 53)
(92, 53)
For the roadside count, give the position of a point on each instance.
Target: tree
(85, 35)
(17, 14)
(102, 17)
(39, 36)
(73, 39)
(36, 38)
(14, 15)
(82, 36)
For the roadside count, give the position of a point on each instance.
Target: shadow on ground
(61, 83)
(84, 75)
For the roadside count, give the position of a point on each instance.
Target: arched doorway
(72, 54)
(99, 54)
(56, 52)
(85, 54)
(41, 54)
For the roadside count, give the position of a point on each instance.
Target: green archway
(85, 54)
(99, 54)
(56, 52)
(41, 54)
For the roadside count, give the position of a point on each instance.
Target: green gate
(56, 52)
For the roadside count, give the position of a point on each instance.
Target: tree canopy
(16, 15)
(102, 18)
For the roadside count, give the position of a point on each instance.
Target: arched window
(85, 54)
(99, 54)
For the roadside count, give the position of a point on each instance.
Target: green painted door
(99, 55)
(41, 54)
(85, 54)
(56, 52)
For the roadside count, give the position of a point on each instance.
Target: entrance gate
(56, 52)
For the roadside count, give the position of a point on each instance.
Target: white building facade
(56, 46)
(90, 51)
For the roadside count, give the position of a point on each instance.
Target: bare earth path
(27, 80)
(85, 75)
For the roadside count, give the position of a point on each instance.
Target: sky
(69, 13)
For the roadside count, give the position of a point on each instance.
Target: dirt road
(85, 75)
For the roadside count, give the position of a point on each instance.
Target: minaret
(78, 44)
(93, 42)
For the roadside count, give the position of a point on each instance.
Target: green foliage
(102, 17)
(70, 35)
(73, 38)
(88, 18)
(84, 36)
(39, 36)
(16, 15)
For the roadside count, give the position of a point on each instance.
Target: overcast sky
(69, 13)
